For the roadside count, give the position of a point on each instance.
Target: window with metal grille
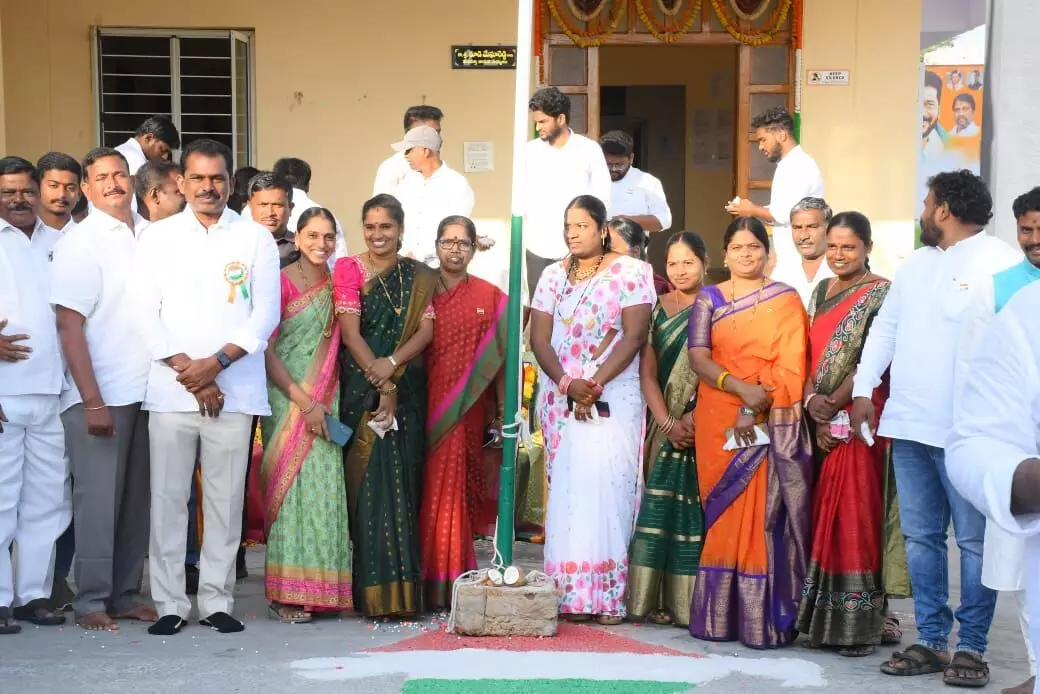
(200, 79)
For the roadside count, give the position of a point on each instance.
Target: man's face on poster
(964, 113)
(930, 109)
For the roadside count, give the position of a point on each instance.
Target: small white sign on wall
(827, 77)
(479, 157)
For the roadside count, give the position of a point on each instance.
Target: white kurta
(997, 426)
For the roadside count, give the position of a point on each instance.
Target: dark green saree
(384, 475)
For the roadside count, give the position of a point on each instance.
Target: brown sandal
(962, 664)
(913, 661)
(891, 634)
(7, 624)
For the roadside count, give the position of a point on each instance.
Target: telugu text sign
(483, 57)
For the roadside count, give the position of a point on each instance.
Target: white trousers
(224, 450)
(1023, 620)
(35, 495)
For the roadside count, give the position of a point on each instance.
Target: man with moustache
(924, 334)
(60, 177)
(796, 177)
(964, 115)
(933, 135)
(155, 188)
(35, 504)
(209, 297)
(106, 431)
(1003, 554)
(561, 165)
(270, 201)
(809, 220)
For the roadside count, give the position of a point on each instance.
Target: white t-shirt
(25, 279)
(390, 174)
(91, 274)
(640, 193)
(998, 426)
(793, 275)
(554, 177)
(131, 149)
(427, 201)
(198, 289)
(924, 330)
(796, 177)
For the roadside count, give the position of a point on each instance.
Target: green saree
(666, 545)
(307, 562)
(384, 475)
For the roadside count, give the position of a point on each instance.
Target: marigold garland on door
(597, 33)
(774, 27)
(668, 31)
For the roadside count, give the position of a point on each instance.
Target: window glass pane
(567, 66)
(764, 102)
(579, 109)
(241, 100)
(135, 83)
(769, 65)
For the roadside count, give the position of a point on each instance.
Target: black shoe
(240, 564)
(167, 626)
(191, 579)
(223, 622)
(61, 595)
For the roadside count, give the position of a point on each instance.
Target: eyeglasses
(462, 244)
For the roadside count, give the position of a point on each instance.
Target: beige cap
(419, 136)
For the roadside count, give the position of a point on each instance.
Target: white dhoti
(35, 495)
(1003, 569)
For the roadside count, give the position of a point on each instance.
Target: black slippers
(167, 626)
(223, 622)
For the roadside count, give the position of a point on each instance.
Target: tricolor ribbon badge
(236, 274)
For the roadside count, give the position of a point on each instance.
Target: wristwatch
(223, 359)
(746, 411)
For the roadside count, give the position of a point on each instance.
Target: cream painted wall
(866, 136)
(333, 80)
(706, 190)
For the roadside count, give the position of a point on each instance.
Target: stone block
(529, 610)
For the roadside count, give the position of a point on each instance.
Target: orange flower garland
(776, 22)
(667, 32)
(595, 36)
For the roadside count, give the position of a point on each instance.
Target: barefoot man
(106, 431)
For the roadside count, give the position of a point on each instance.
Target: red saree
(468, 348)
(843, 596)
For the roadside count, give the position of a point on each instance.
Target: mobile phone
(602, 406)
(339, 433)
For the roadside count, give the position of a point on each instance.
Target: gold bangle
(314, 403)
(721, 380)
(389, 391)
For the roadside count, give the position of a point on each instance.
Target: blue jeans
(927, 503)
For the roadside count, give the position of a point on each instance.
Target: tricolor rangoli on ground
(579, 659)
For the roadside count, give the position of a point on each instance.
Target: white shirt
(69, 226)
(91, 274)
(25, 279)
(796, 177)
(131, 149)
(998, 427)
(390, 174)
(969, 130)
(188, 301)
(640, 193)
(301, 203)
(427, 201)
(924, 331)
(793, 275)
(554, 177)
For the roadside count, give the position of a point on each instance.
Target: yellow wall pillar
(866, 136)
(3, 94)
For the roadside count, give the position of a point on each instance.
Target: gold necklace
(675, 299)
(733, 301)
(330, 314)
(400, 285)
(830, 294)
(581, 276)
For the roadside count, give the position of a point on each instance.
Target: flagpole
(507, 474)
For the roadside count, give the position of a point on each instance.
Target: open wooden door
(764, 78)
(575, 71)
